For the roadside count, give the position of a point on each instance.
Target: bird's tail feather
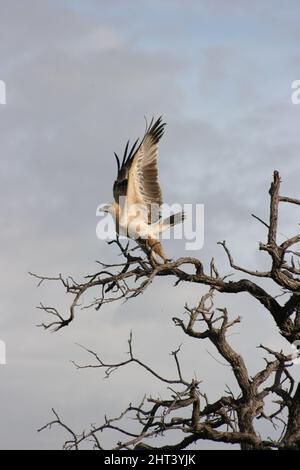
(175, 219)
(168, 222)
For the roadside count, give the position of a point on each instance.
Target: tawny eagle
(138, 196)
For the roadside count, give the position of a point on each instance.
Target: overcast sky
(80, 76)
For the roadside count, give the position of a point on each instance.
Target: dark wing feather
(121, 183)
(143, 185)
(141, 164)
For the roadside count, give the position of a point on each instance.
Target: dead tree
(231, 419)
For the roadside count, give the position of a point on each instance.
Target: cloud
(79, 81)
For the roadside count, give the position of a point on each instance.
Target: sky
(80, 76)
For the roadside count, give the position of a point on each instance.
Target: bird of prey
(137, 194)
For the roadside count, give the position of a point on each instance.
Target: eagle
(137, 194)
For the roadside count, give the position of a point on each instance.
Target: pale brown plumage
(137, 178)
(137, 185)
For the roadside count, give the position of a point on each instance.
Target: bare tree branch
(186, 408)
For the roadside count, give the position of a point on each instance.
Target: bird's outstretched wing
(138, 174)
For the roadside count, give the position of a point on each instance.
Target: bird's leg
(157, 249)
(143, 245)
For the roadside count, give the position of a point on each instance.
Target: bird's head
(107, 208)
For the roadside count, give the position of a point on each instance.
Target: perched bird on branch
(138, 196)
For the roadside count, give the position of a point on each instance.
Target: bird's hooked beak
(106, 208)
